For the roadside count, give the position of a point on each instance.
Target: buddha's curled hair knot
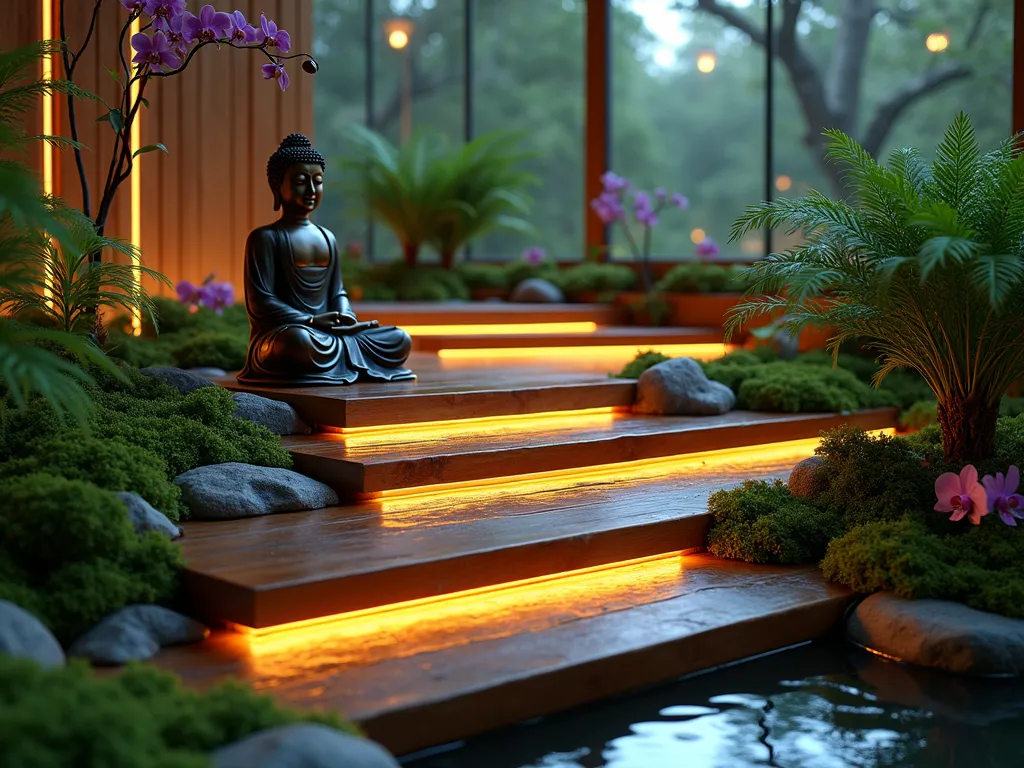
(295, 148)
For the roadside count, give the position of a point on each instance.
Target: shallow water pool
(820, 705)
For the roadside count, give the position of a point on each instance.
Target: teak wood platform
(506, 568)
(484, 313)
(637, 338)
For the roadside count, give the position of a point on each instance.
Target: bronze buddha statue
(302, 328)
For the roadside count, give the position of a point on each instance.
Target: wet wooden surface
(483, 313)
(272, 570)
(638, 337)
(441, 394)
(391, 460)
(434, 674)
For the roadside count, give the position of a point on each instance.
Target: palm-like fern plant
(924, 263)
(490, 189)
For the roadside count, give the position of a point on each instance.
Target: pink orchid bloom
(962, 495)
(1003, 497)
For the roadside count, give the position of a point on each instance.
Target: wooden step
(267, 571)
(634, 337)
(393, 460)
(436, 673)
(483, 313)
(439, 394)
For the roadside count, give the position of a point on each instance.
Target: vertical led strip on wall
(135, 143)
(48, 116)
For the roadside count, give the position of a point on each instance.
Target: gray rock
(208, 373)
(181, 380)
(679, 387)
(941, 634)
(24, 636)
(536, 290)
(145, 517)
(135, 633)
(303, 745)
(807, 480)
(787, 344)
(232, 490)
(280, 418)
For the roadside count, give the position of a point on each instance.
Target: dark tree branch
(69, 74)
(890, 109)
(733, 18)
(846, 73)
(979, 20)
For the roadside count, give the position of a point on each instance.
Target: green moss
(477, 275)
(71, 556)
(919, 415)
(142, 351)
(214, 349)
(760, 522)
(109, 464)
(140, 717)
(981, 566)
(520, 270)
(696, 277)
(595, 276)
(639, 364)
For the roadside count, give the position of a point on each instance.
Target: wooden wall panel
(219, 120)
(22, 25)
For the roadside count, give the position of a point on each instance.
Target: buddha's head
(295, 173)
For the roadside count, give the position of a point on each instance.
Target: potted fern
(923, 263)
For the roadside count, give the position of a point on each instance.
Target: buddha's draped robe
(280, 298)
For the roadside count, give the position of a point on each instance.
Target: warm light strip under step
(618, 352)
(633, 470)
(493, 329)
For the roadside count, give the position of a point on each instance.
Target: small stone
(208, 373)
(939, 633)
(303, 745)
(787, 344)
(536, 290)
(280, 418)
(145, 517)
(183, 381)
(807, 479)
(230, 491)
(22, 635)
(136, 633)
(679, 387)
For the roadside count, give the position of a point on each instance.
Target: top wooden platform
(483, 313)
(636, 338)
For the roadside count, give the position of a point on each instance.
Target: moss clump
(108, 464)
(760, 522)
(68, 716)
(214, 349)
(981, 566)
(643, 360)
(593, 276)
(70, 555)
(699, 277)
(490, 276)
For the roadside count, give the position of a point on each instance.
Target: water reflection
(817, 706)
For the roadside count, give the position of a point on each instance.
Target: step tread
(605, 336)
(482, 313)
(281, 568)
(480, 664)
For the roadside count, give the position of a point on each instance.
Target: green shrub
(639, 364)
(520, 270)
(919, 415)
(143, 351)
(71, 556)
(476, 275)
(172, 316)
(213, 349)
(108, 464)
(140, 717)
(595, 276)
(377, 292)
(981, 566)
(396, 281)
(760, 522)
(696, 277)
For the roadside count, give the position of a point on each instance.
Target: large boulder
(536, 290)
(145, 517)
(939, 633)
(181, 380)
(280, 418)
(233, 490)
(807, 479)
(136, 633)
(679, 387)
(303, 745)
(25, 636)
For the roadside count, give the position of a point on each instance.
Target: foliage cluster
(68, 716)
(701, 277)
(872, 528)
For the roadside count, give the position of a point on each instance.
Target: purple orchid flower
(613, 183)
(164, 11)
(217, 296)
(154, 52)
(274, 37)
(1003, 497)
(679, 201)
(188, 293)
(643, 211)
(961, 494)
(276, 70)
(241, 30)
(660, 194)
(208, 26)
(134, 5)
(534, 256)
(176, 37)
(707, 248)
(608, 207)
